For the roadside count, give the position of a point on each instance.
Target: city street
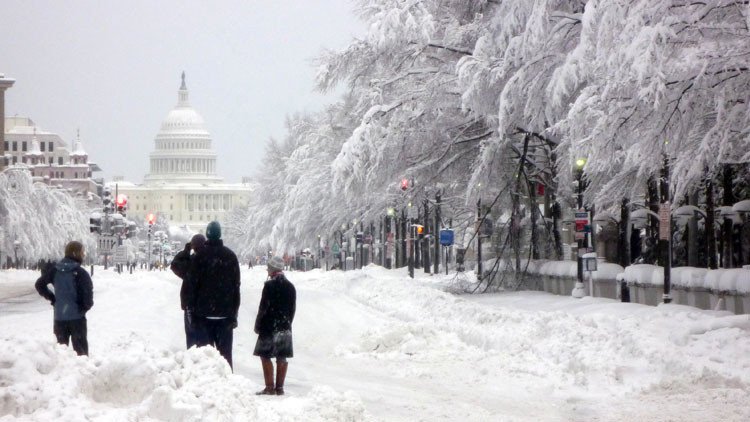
(374, 345)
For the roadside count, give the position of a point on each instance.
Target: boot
(281, 368)
(267, 377)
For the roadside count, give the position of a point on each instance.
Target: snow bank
(728, 280)
(42, 381)
(607, 352)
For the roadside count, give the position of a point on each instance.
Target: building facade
(48, 157)
(182, 184)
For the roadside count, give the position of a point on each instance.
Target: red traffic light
(404, 184)
(151, 218)
(121, 200)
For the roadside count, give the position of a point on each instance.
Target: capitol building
(182, 184)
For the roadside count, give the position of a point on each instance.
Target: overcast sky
(112, 69)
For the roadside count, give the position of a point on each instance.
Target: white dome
(182, 150)
(183, 119)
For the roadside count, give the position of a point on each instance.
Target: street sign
(582, 220)
(335, 248)
(446, 237)
(665, 223)
(106, 244)
(121, 255)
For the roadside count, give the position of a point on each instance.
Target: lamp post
(665, 229)
(582, 238)
(16, 245)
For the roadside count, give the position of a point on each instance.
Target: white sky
(377, 345)
(113, 69)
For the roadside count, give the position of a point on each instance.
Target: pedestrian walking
(73, 296)
(273, 325)
(213, 293)
(180, 266)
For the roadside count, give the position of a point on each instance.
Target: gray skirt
(277, 345)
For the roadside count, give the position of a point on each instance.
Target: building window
(50, 160)
(15, 146)
(23, 146)
(50, 147)
(15, 159)
(59, 160)
(75, 175)
(23, 160)
(6, 146)
(41, 146)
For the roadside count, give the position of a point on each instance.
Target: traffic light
(122, 203)
(150, 218)
(404, 184)
(107, 200)
(420, 228)
(95, 225)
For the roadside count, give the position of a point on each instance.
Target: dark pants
(189, 331)
(214, 332)
(75, 331)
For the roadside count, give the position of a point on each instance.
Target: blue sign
(446, 237)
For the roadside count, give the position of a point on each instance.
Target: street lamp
(16, 245)
(582, 240)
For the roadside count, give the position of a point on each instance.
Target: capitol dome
(182, 147)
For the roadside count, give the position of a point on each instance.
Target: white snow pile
(592, 353)
(729, 280)
(42, 381)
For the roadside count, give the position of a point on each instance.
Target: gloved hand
(188, 246)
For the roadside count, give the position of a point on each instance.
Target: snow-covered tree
(39, 219)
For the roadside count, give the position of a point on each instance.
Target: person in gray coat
(73, 296)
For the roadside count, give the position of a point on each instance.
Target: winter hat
(197, 242)
(275, 264)
(74, 251)
(213, 231)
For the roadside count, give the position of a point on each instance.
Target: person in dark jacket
(273, 325)
(213, 293)
(73, 296)
(180, 266)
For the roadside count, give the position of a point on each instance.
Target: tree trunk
(534, 212)
(710, 229)
(623, 244)
(727, 226)
(652, 253)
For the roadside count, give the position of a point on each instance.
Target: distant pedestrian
(180, 266)
(213, 293)
(273, 325)
(73, 296)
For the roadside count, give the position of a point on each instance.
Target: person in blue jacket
(73, 296)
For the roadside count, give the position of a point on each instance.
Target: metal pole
(667, 244)
(479, 239)
(436, 232)
(426, 240)
(580, 242)
(411, 249)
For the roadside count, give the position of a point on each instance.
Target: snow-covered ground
(376, 345)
